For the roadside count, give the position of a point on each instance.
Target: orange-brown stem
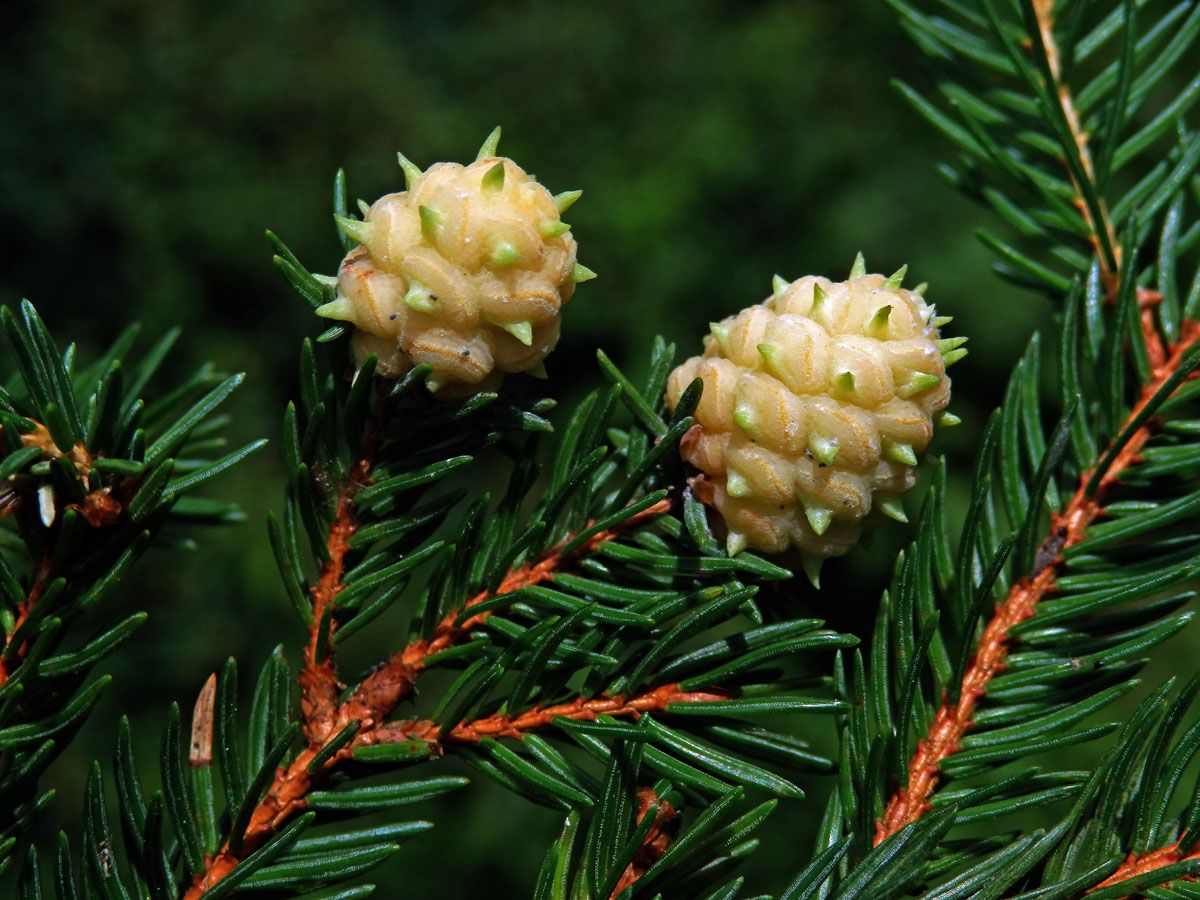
(101, 507)
(14, 659)
(1139, 865)
(654, 845)
(318, 676)
(395, 677)
(1066, 529)
(496, 726)
(1097, 225)
(375, 698)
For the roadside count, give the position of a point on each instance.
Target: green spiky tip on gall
(823, 450)
(743, 417)
(363, 206)
(552, 228)
(411, 170)
(948, 420)
(844, 382)
(859, 268)
(539, 371)
(582, 273)
(736, 485)
(340, 309)
(812, 568)
(430, 223)
(896, 278)
(954, 356)
(877, 325)
(819, 297)
(735, 543)
(779, 284)
(892, 508)
(493, 179)
(488, 149)
(945, 345)
(915, 383)
(522, 331)
(435, 382)
(355, 229)
(921, 288)
(504, 254)
(720, 333)
(819, 518)
(899, 452)
(420, 300)
(770, 356)
(566, 200)
(939, 321)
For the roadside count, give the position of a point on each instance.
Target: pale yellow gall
(467, 270)
(816, 404)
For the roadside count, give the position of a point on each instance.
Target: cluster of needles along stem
(369, 705)
(1067, 528)
(100, 507)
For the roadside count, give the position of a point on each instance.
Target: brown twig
(386, 686)
(1139, 865)
(655, 843)
(12, 660)
(378, 695)
(1043, 10)
(496, 726)
(318, 677)
(1066, 529)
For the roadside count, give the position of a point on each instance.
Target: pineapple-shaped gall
(467, 270)
(815, 406)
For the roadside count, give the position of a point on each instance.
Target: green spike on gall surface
(487, 150)
(566, 200)
(354, 229)
(493, 179)
(816, 406)
(466, 270)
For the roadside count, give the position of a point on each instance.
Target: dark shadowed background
(145, 146)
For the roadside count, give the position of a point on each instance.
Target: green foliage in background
(716, 143)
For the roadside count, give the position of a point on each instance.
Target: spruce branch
(1068, 533)
(1067, 529)
(656, 839)
(90, 475)
(1028, 140)
(659, 699)
(1169, 365)
(1077, 154)
(365, 712)
(584, 596)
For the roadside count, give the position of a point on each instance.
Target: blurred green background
(146, 145)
